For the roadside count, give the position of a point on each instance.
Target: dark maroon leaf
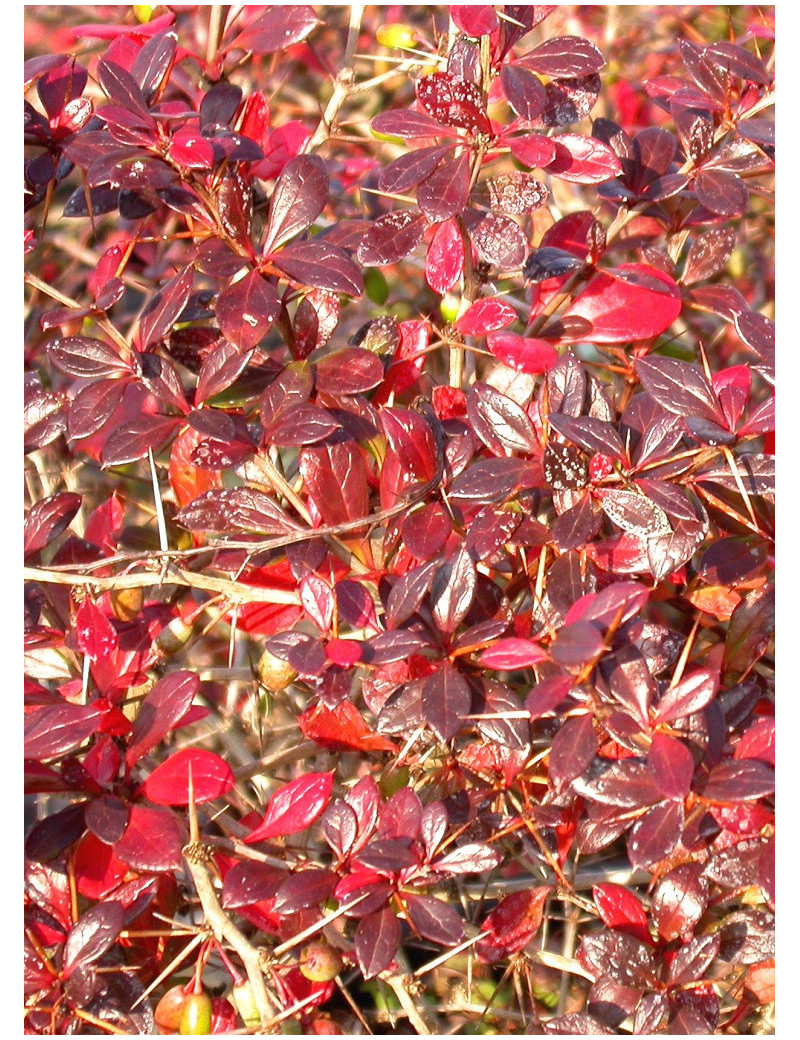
(340, 828)
(593, 435)
(723, 193)
(299, 197)
(565, 468)
(408, 124)
(576, 645)
(246, 310)
(500, 422)
(222, 366)
(693, 959)
(443, 194)
(473, 858)
(516, 193)
(627, 784)
(679, 387)
(153, 62)
(133, 440)
(583, 160)
(572, 751)
(86, 358)
(306, 425)
(306, 888)
(249, 881)
(161, 378)
(411, 169)
(672, 766)
(164, 308)
(321, 266)
(93, 405)
(453, 102)
(524, 92)
(452, 592)
(737, 865)
(388, 855)
(708, 254)
(392, 646)
(434, 920)
(92, 935)
(124, 91)
(737, 61)
(391, 237)
(654, 835)
(689, 695)
(757, 332)
(564, 57)
(335, 479)
(376, 942)
(500, 241)
(679, 902)
(446, 700)
(351, 370)
(568, 101)
(619, 957)
(408, 592)
(425, 532)
(161, 710)
(48, 518)
(58, 728)
(275, 28)
(107, 817)
(739, 780)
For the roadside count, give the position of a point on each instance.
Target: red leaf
(486, 315)
(620, 909)
(533, 150)
(672, 766)
(168, 784)
(693, 692)
(152, 840)
(512, 653)
(523, 353)
(247, 310)
(341, 729)
(584, 160)
(294, 807)
(444, 261)
(629, 302)
(474, 20)
(96, 636)
(336, 480)
(512, 924)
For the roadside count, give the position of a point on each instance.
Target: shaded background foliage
(399, 522)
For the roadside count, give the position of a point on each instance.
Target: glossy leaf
(246, 311)
(376, 942)
(169, 783)
(523, 353)
(630, 302)
(446, 700)
(391, 237)
(293, 807)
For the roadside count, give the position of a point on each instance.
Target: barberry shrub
(399, 532)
